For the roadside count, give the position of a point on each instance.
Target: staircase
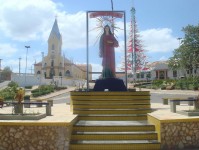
(112, 121)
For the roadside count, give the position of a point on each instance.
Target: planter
(27, 100)
(189, 112)
(1, 104)
(22, 117)
(18, 109)
(165, 101)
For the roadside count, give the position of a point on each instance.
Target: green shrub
(28, 87)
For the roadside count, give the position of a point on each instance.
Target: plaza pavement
(61, 112)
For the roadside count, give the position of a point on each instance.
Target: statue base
(109, 84)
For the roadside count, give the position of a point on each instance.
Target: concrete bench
(7, 103)
(48, 105)
(40, 101)
(173, 103)
(165, 101)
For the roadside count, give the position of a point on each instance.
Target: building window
(52, 63)
(162, 75)
(138, 75)
(67, 73)
(60, 74)
(142, 74)
(45, 74)
(174, 73)
(38, 72)
(53, 47)
(148, 75)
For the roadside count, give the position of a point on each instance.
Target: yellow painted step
(113, 106)
(74, 102)
(113, 118)
(139, 146)
(112, 97)
(135, 111)
(74, 93)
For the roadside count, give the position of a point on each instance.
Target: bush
(28, 87)
(27, 97)
(13, 84)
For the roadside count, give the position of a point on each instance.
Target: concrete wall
(31, 80)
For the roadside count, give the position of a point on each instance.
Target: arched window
(52, 63)
(60, 74)
(38, 72)
(67, 73)
(45, 74)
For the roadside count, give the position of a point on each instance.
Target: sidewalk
(183, 92)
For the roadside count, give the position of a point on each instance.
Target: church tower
(53, 63)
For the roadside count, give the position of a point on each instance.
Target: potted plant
(19, 96)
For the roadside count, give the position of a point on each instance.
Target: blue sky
(29, 22)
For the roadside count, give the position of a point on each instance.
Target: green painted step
(114, 129)
(114, 136)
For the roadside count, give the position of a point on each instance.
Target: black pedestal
(112, 84)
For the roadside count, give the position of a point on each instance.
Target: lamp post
(27, 47)
(176, 65)
(19, 66)
(179, 39)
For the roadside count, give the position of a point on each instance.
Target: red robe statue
(107, 52)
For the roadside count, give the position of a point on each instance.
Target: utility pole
(19, 66)
(27, 47)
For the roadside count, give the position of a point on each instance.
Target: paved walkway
(62, 113)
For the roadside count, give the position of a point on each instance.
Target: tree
(188, 52)
(6, 73)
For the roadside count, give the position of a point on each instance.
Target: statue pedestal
(109, 84)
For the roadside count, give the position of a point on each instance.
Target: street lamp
(27, 47)
(179, 39)
(19, 65)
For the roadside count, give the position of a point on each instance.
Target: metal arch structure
(93, 14)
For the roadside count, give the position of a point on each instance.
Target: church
(56, 64)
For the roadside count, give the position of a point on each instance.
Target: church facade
(56, 64)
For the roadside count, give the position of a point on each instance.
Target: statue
(107, 52)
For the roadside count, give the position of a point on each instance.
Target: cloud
(25, 20)
(159, 40)
(7, 50)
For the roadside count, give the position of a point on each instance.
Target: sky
(29, 22)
